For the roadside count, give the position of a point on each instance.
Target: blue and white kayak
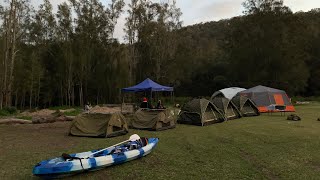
(82, 162)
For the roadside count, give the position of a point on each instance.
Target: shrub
(10, 110)
(4, 113)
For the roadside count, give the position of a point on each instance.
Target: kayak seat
(144, 141)
(66, 157)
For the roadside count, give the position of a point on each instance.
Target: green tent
(229, 110)
(152, 119)
(246, 106)
(99, 125)
(200, 112)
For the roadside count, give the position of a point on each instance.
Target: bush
(10, 110)
(4, 113)
(7, 111)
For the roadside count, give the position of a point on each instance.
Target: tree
(265, 49)
(15, 18)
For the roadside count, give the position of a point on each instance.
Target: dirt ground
(24, 143)
(42, 112)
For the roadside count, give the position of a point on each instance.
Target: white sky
(197, 11)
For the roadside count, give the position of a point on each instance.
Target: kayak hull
(58, 166)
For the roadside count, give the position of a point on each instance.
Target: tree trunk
(81, 95)
(16, 99)
(12, 53)
(39, 86)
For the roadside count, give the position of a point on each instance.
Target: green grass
(264, 147)
(25, 117)
(73, 113)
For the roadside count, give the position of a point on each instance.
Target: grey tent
(245, 106)
(200, 112)
(99, 125)
(227, 107)
(264, 97)
(227, 92)
(152, 119)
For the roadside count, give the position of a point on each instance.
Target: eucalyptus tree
(42, 36)
(15, 17)
(150, 32)
(65, 31)
(94, 26)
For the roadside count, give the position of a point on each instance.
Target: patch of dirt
(43, 112)
(315, 165)
(35, 137)
(268, 174)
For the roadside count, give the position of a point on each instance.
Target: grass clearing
(25, 117)
(75, 112)
(264, 147)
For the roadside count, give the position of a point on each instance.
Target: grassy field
(264, 147)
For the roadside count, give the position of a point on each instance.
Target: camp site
(159, 89)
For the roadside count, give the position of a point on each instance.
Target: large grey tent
(99, 125)
(227, 107)
(200, 112)
(227, 92)
(264, 97)
(152, 119)
(245, 106)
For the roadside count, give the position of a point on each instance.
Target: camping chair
(277, 108)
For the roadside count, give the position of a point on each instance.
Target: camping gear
(264, 97)
(230, 111)
(245, 106)
(152, 119)
(148, 87)
(293, 117)
(80, 162)
(227, 92)
(99, 125)
(134, 137)
(200, 112)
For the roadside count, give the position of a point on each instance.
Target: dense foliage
(70, 56)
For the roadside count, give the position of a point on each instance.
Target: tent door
(278, 99)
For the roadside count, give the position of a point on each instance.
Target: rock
(43, 119)
(293, 117)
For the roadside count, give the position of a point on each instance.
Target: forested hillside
(70, 56)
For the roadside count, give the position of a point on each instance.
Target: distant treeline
(70, 57)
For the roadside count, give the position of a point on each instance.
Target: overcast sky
(197, 11)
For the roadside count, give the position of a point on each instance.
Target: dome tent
(152, 119)
(264, 97)
(200, 112)
(230, 111)
(99, 125)
(227, 92)
(245, 106)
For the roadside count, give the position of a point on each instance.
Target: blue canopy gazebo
(148, 86)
